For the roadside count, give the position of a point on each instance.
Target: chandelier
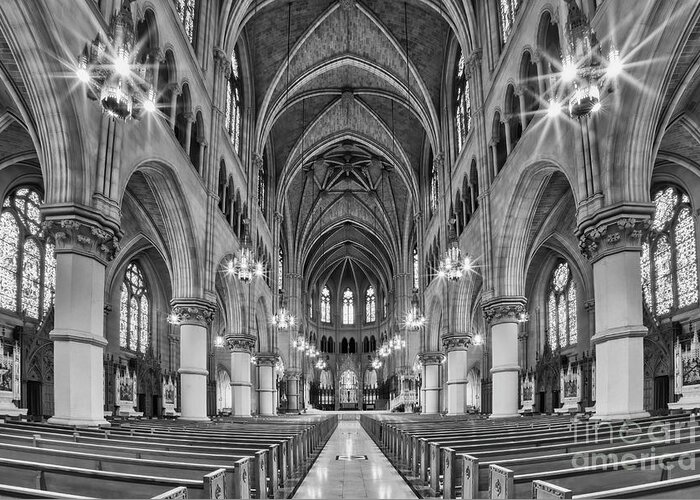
(283, 319)
(582, 65)
(108, 66)
(304, 346)
(453, 266)
(376, 363)
(244, 266)
(321, 364)
(414, 319)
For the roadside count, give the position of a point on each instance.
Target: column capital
(188, 116)
(417, 216)
(221, 62)
(614, 229)
(431, 358)
(257, 161)
(279, 216)
(504, 309)
(292, 373)
(456, 342)
(439, 160)
(267, 359)
(175, 88)
(196, 312)
(82, 231)
(158, 54)
(241, 342)
(474, 59)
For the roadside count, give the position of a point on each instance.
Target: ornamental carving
(76, 236)
(266, 359)
(612, 237)
(505, 310)
(197, 313)
(257, 162)
(240, 343)
(222, 63)
(347, 4)
(431, 358)
(292, 374)
(456, 342)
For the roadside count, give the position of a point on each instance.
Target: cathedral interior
(333, 241)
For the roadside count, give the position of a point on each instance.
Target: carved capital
(222, 63)
(188, 116)
(417, 216)
(266, 359)
(157, 54)
(519, 90)
(175, 89)
(589, 305)
(439, 161)
(240, 342)
(279, 217)
(456, 342)
(193, 312)
(77, 235)
(292, 373)
(474, 59)
(257, 162)
(615, 235)
(431, 358)
(504, 310)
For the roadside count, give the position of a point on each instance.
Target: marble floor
(350, 476)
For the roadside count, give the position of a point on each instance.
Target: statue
(326, 381)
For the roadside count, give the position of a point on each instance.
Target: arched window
(187, 10)
(344, 346)
(311, 306)
(325, 305)
(262, 187)
(324, 344)
(27, 264)
(280, 270)
(352, 346)
(365, 344)
(433, 187)
(562, 327)
(233, 103)
(134, 310)
(348, 307)
(463, 106)
(669, 267)
(509, 9)
(331, 345)
(370, 305)
(416, 269)
(372, 344)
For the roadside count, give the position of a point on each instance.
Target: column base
(495, 416)
(80, 422)
(619, 416)
(195, 419)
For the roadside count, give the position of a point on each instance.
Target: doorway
(34, 407)
(661, 392)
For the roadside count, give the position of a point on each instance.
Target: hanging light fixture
(376, 363)
(414, 319)
(244, 266)
(453, 265)
(109, 69)
(583, 66)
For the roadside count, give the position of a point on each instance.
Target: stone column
(520, 92)
(613, 245)
(189, 120)
(504, 314)
(541, 83)
(456, 346)
(174, 92)
(506, 127)
(241, 347)
(292, 379)
(194, 316)
(266, 383)
(83, 248)
(431, 380)
(494, 156)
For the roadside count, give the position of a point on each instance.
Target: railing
(406, 398)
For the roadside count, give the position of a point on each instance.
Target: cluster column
(241, 347)
(83, 248)
(194, 316)
(504, 314)
(292, 378)
(266, 383)
(431, 362)
(614, 246)
(457, 347)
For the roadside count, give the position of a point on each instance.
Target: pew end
(544, 490)
(179, 493)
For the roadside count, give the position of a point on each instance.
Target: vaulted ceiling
(346, 121)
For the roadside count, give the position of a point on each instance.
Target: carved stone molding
(240, 342)
(456, 342)
(431, 358)
(193, 312)
(73, 235)
(439, 161)
(257, 162)
(504, 310)
(267, 359)
(347, 4)
(292, 373)
(222, 63)
(613, 236)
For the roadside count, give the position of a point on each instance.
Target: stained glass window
(348, 307)
(463, 107)
(433, 188)
(509, 9)
(280, 270)
(233, 104)
(325, 305)
(370, 305)
(134, 311)
(562, 322)
(416, 269)
(186, 10)
(669, 264)
(262, 187)
(27, 263)
(311, 306)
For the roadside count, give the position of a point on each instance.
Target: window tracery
(348, 307)
(325, 305)
(463, 109)
(134, 310)
(562, 321)
(370, 305)
(234, 94)
(186, 10)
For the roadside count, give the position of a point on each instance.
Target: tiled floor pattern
(357, 478)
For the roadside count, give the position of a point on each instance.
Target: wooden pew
(9, 491)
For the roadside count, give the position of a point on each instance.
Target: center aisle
(351, 466)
